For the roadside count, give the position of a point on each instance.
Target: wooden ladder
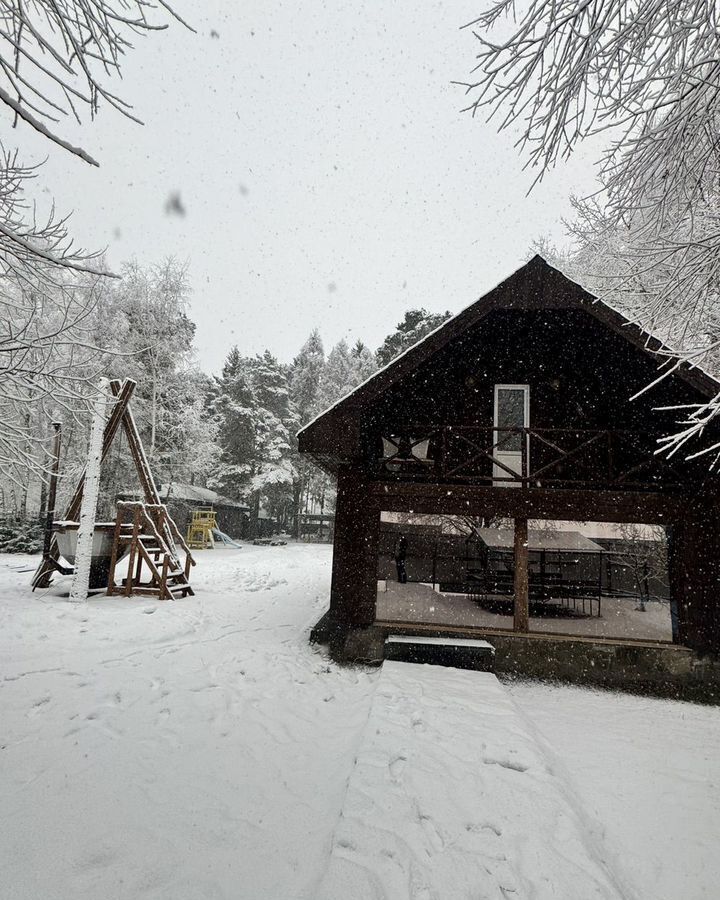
(150, 538)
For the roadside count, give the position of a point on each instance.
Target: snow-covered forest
(233, 430)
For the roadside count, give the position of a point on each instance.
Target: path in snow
(195, 749)
(451, 797)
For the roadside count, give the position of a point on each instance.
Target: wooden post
(115, 551)
(133, 552)
(522, 606)
(353, 594)
(164, 592)
(52, 492)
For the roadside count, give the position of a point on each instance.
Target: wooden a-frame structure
(150, 538)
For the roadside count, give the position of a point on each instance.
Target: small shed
(181, 499)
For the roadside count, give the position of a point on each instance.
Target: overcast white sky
(328, 176)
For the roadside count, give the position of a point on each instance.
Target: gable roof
(535, 285)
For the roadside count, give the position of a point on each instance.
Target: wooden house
(519, 407)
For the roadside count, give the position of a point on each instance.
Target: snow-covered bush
(20, 536)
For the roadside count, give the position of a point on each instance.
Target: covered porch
(360, 600)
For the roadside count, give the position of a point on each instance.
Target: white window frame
(526, 417)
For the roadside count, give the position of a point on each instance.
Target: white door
(512, 410)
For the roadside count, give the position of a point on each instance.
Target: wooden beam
(137, 452)
(531, 503)
(521, 621)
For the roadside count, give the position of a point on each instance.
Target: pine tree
(337, 377)
(305, 375)
(235, 408)
(414, 327)
(276, 424)
(363, 363)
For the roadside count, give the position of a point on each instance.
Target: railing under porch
(576, 458)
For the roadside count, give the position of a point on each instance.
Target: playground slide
(225, 539)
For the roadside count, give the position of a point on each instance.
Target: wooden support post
(164, 592)
(522, 606)
(123, 393)
(353, 593)
(114, 555)
(694, 574)
(52, 491)
(133, 552)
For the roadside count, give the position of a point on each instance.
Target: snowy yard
(203, 749)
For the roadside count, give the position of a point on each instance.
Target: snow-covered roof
(564, 541)
(193, 493)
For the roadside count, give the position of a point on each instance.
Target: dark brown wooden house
(519, 407)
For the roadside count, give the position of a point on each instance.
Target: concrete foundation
(666, 670)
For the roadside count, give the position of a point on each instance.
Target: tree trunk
(297, 496)
(91, 487)
(254, 515)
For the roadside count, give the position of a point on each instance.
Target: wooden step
(460, 653)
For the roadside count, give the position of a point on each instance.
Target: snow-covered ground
(196, 749)
(648, 773)
(202, 749)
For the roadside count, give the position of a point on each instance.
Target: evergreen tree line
(259, 405)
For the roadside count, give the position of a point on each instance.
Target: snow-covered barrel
(66, 535)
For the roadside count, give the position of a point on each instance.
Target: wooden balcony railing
(531, 457)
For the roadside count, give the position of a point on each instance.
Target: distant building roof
(193, 493)
(567, 541)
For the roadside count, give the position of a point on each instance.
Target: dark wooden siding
(581, 375)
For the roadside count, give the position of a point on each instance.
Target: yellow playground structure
(200, 530)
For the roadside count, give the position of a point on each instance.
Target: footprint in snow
(38, 705)
(397, 767)
(479, 827)
(505, 763)
(431, 830)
